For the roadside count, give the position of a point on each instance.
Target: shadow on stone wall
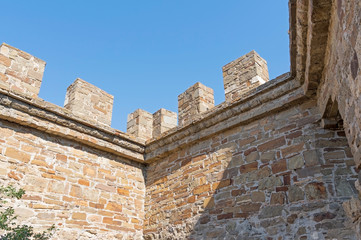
(281, 177)
(286, 180)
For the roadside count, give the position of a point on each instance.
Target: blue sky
(143, 52)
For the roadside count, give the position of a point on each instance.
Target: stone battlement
(278, 159)
(22, 73)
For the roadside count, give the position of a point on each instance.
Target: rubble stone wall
(86, 193)
(281, 177)
(341, 83)
(279, 160)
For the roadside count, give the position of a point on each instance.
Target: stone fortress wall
(279, 159)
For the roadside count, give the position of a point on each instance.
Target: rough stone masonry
(279, 159)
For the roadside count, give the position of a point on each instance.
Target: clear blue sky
(144, 52)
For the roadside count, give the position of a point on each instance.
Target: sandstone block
(272, 211)
(249, 167)
(250, 207)
(295, 194)
(18, 155)
(269, 183)
(114, 207)
(76, 191)
(163, 120)
(295, 162)
(79, 216)
(202, 189)
(315, 190)
(279, 166)
(273, 144)
(277, 198)
(311, 158)
(24, 213)
(208, 203)
(258, 197)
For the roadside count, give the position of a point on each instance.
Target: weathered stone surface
(140, 124)
(295, 162)
(195, 100)
(261, 167)
(269, 212)
(89, 102)
(343, 188)
(315, 190)
(163, 120)
(269, 183)
(311, 158)
(244, 74)
(295, 194)
(318, 217)
(23, 74)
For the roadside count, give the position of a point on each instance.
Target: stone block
(89, 102)
(344, 188)
(195, 100)
(272, 211)
(295, 162)
(244, 74)
(295, 194)
(315, 190)
(269, 183)
(277, 198)
(311, 158)
(19, 71)
(140, 124)
(258, 197)
(163, 120)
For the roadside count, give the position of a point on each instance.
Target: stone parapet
(20, 71)
(273, 96)
(195, 100)
(244, 74)
(58, 121)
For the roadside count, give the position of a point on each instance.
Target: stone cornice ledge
(273, 96)
(50, 118)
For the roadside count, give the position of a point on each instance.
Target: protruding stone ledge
(44, 116)
(19, 71)
(244, 74)
(275, 95)
(89, 102)
(195, 100)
